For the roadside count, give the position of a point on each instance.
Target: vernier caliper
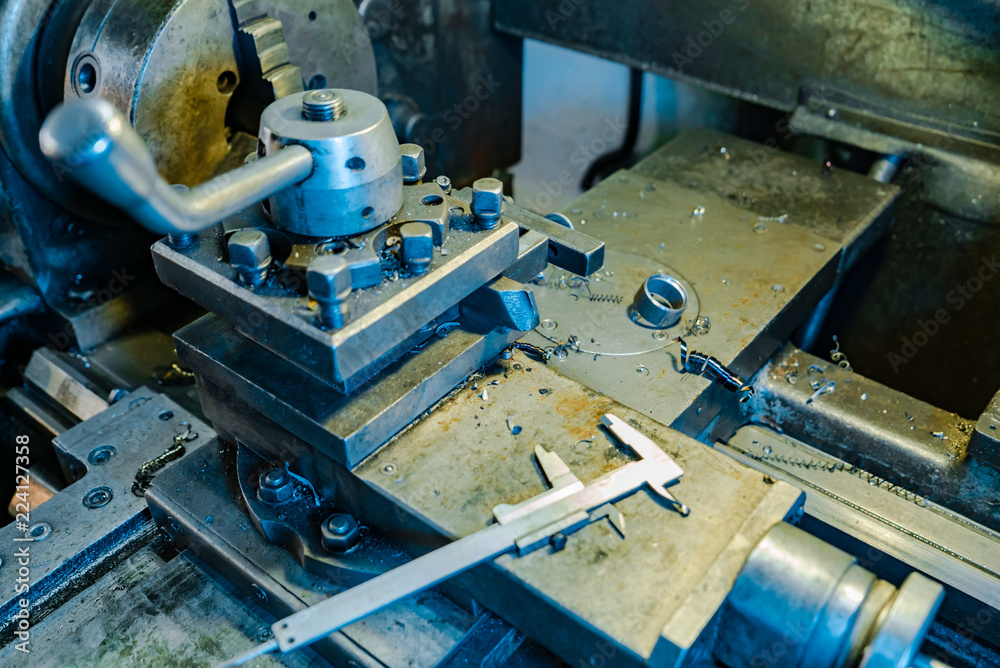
(541, 520)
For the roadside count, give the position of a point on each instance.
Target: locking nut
(417, 247)
(250, 255)
(340, 532)
(329, 281)
(275, 487)
(414, 163)
(488, 203)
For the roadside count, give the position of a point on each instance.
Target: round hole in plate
(432, 200)
(312, 16)
(318, 82)
(166, 415)
(355, 164)
(368, 212)
(86, 78)
(226, 82)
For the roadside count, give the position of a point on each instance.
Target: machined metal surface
(573, 251)
(420, 632)
(754, 269)
(802, 602)
(523, 528)
(357, 182)
(660, 302)
(893, 520)
(402, 491)
(284, 322)
(135, 55)
(236, 374)
(67, 539)
(54, 376)
(610, 330)
(917, 446)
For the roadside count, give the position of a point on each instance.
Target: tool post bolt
(414, 163)
(329, 280)
(488, 203)
(250, 255)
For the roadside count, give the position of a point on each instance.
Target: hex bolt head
(275, 486)
(488, 202)
(340, 532)
(414, 163)
(417, 247)
(250, 255)
(329, 280)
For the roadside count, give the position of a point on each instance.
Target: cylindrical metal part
(357, 182)
(250, 255)
(417, 247)
(488, 202)
(660, 302)
(802, 603)
(320, 106)
(414, 164)
(175, 89)
(329, 281)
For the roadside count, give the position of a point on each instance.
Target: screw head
(98, 497)
(340, 532)
(329, 279)
(414, 163)
(250, 254)
(488, 202)
(417, 246)
(445, 184)
(102, 454)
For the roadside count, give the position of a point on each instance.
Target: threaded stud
(323, 105)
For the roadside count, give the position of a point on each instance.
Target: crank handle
(92, 142)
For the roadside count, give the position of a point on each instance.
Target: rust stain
(581, 413)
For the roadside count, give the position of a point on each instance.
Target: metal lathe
(318, 347)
